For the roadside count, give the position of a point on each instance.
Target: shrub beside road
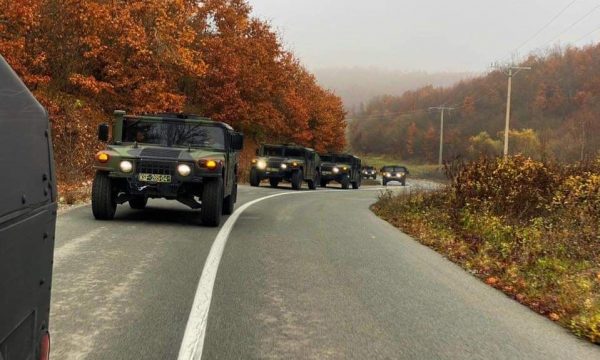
(525, 227)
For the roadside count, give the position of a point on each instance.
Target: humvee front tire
(138, 203)
(229, 201)
(355, 185)
(297, 178)
(312, 184)
(345, 182)
(104, 204)
(404, 182)
(274, 182)
(254, 178)
(212, 202)
(323, 183)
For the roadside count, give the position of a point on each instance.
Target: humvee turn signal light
(102, 157)
(209, 164)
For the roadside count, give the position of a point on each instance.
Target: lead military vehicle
(27, 221)
(291, 163)
(342, 168)
(174, 156)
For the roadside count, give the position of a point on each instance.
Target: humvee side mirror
(237, 141)
(103, 132)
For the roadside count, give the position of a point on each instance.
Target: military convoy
(286, 162)
(174, 156)
(342, 168)
(27, 221)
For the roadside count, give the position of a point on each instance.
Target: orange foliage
(85, 58)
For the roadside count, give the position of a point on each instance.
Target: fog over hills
(358, 85)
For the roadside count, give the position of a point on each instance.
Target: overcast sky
(431, 35)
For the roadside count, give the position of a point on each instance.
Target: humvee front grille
(155, 167)
(162, 153)
(274, 164)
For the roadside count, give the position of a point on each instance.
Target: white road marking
(195, 331)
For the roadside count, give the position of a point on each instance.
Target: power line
(545, 26)
(586, 35)
(573, 25)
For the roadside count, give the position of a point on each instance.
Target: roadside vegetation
(528, 228)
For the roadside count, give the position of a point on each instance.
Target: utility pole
(510, 71)
(442, 109)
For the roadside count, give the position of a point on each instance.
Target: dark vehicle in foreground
(342, 168)
(27, 221)
(174, 156)
(394, 173)
(291, 163)
(369, 172)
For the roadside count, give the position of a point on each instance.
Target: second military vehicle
(175, 156)
(369, 172)
(27, 221)
(394, 173)
(289, 162)
(342, 168)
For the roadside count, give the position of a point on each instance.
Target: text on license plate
(326, 172)
(155, 178)
(273, 169)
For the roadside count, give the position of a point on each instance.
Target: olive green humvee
(342, 168)
(288, 162)
(172, 156)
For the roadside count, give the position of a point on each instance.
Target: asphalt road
(307, 276)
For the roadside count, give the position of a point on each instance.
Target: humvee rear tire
(297, 178)
(104, 204)
(274, 182)
(229, 201)
(254, 178)
(345, 182)
(138, 203)
(212, 202)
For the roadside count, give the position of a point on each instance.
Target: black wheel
(383, 182)
(355, 185)
(229, 201)
(274, 182)
(345, 182)
(324, 183)
(138, 203)
(212, 202)
(104, 202)
(254, 177)
(297, 178)
(404, 182)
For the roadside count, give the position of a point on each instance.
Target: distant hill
(358, 85)
(556, 113)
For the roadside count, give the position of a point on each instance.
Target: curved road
(306, 276)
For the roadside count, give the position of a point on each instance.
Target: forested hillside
(555, 113)
(83, 59)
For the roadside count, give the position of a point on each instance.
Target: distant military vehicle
(27, 221)
(394, 173)
(172, 156)
(369, 172)
(290, 162)
(342, 168)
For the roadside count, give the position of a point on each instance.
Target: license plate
(154, 178)
(273, 169)
(326, 172)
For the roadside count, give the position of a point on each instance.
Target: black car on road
(394, 173)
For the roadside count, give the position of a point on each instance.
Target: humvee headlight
(283, 166)
(387, 174)
(126, 166)
(261, 164)
(335, 170)
(103, 157)
(184, 169)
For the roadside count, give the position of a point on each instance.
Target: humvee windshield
(173, 134)
(272, 151)
(394, 169)
(295, 153)
(337, 158)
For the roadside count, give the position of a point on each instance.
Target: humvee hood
(159, 152)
